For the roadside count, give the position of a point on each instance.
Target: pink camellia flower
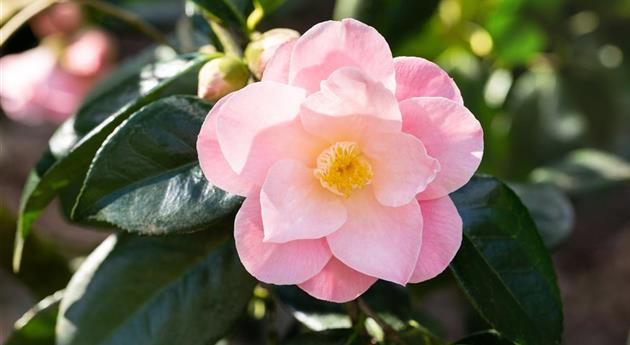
(346, 156)
(39, 86)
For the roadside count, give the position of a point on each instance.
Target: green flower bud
(220, 76)
(262, 48)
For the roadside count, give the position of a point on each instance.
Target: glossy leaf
(37, 326)
(186, 289)
(551, 210)
(503, 266)
(268, 6)
(128, 82)
(232, 12)
(148, 160)
(77, 140)
(43, 272)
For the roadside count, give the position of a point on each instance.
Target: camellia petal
(211, 159)
(277, 68)
(402, 167)
(418, 77)
(331, 45)
(277, 263)
(451, 134)
(284, 141)
(441, 238)
(295, 206)
(249, 111)
(379, 241)
(337, 283)
(258, 137)
(349, 105)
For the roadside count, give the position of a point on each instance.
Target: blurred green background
(548, 79)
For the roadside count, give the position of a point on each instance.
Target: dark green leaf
(119, 88)
(232, 12)
(77, 140)
(147, 160)
(489, 337)
(185, 289)
(333, 337)
(551, 210)
(503, 266)
(37, 326)
(269, 6)
(43, 272)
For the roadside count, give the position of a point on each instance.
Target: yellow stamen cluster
(342, 168)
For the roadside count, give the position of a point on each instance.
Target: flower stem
(255, 17)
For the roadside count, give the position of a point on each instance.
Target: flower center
(342, 168)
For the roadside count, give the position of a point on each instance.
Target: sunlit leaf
(551, 210)
(150, 159)
(503, 265)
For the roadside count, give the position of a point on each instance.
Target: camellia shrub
(313, 174)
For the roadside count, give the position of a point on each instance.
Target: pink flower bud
(64, 19)
(221, 76)
(37, 86)
(89, 55)
(262, 48)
